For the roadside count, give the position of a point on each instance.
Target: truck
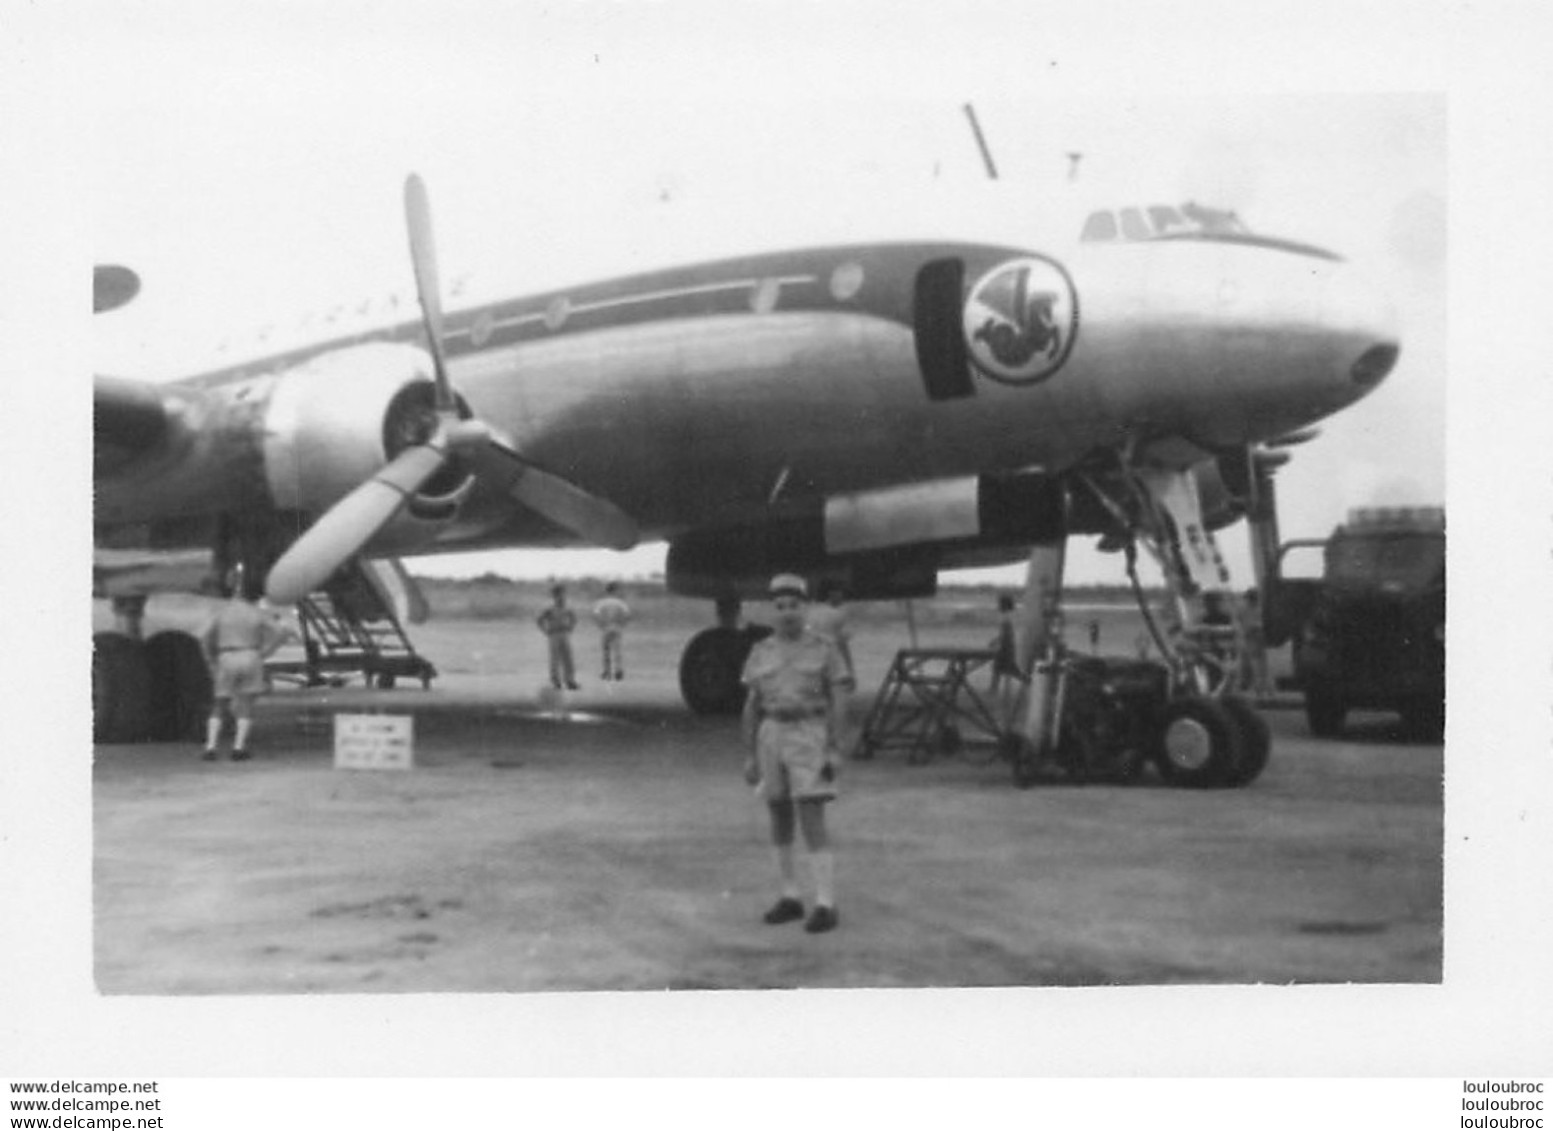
(1370, 632)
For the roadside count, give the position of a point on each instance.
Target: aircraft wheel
(1324, 711)
(1256, 741)
(709, 670)
(121, 689)
(181, 689)
(1199, 744)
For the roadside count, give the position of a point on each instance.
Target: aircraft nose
(1362, 313)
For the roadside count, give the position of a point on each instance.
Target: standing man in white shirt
(612, 614)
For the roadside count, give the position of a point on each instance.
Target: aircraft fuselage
(709, 394)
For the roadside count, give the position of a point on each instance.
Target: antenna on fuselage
(981, 142)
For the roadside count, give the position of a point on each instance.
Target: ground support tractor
(1370, 633)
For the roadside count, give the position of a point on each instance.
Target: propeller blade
(561, 501)
(1298, 436)
(348, 525)
(423, 256)
(112, 287)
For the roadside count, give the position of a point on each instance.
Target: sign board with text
(374, 742)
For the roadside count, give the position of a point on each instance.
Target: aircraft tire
(1256, 741)
(121, 689)
(1324, 710)
(710, 668)
(181, 689)
(1198, 744)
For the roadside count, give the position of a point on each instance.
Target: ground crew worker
(611, 614)
(793, 714)
(829, 619)
(236, 642)
(557, 623)
(1006, 675)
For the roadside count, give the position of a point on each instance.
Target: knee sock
(787, 869)
(823, 864)
(212, 732)
(240, 740)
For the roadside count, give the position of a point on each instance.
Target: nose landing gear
(1192, 720)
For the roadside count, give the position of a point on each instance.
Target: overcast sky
(250, 168)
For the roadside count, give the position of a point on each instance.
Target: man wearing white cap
(796, 704)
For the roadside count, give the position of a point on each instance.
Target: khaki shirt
(238, 625)
(795, 677)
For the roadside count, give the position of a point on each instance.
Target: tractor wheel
(1324, 710)
(1423, 719)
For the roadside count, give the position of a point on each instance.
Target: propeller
(352, 522)
(1298, 436)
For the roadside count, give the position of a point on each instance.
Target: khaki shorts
(239, 672)
(791, 756)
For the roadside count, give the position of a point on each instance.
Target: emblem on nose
(1020, 321)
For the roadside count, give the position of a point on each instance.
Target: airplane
(867, 413)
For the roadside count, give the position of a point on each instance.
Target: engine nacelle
(879, 545)
(336, 420)
(739, 562)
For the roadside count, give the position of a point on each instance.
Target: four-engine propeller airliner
(869, 413)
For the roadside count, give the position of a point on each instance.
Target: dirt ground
(618, 849)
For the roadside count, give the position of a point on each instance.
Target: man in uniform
(793, 713)
(236, 642)
(611, 614)
(557, 623)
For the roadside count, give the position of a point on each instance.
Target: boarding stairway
(350, 627)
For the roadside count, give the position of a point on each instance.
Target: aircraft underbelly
(704, 420)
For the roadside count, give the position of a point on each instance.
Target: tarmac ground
(612, 845)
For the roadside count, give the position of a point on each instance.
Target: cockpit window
(1165, 218)
(1217, 220)
(1099, 226)
(1134, 226)
(1160, 220)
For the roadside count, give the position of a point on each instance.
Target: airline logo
(1020, 321)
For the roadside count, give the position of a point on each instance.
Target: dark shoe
(208, 756)
(784, 910)
(572, 687)
(823, 919)
(241, 755)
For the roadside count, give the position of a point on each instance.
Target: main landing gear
(1084, 718)
(157, 688)
(713, 662)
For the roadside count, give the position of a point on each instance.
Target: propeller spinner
(352, 522)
